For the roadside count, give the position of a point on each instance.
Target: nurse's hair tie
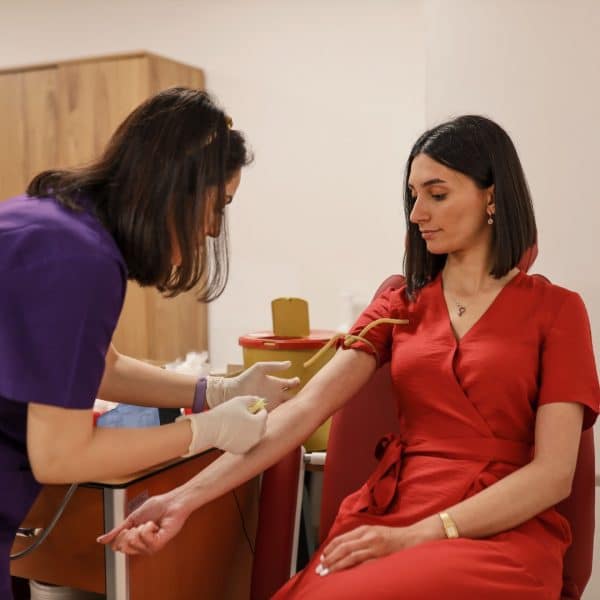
(212, 136)
(350, 339)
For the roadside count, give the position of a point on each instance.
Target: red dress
(467, 415)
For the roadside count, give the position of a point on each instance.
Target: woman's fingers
(111, 535)
(349, 536)
(355, 547)
(339, 555)
(350, 559)
(143, 537)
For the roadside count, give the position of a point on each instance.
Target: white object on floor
(43, 591)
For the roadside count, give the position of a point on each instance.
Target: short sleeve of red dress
(380, 336)
(568, 370)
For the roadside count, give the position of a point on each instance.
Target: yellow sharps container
(291, 339)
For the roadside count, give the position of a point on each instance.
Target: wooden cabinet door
(62, 115)
(28, 117)
(95, 98)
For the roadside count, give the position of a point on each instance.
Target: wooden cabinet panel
(28, 109)
(62, 115)
(70, 555)
(211, 557)
(12, 149)
(164, 73)
(41, 132)
(95, 97)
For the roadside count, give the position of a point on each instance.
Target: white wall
(533, 66)
(330, 94)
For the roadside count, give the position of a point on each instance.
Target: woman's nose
(418, 214)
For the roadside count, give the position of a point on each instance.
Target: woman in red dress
(495, 379)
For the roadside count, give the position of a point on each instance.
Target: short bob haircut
(482, 150)
(152, 179)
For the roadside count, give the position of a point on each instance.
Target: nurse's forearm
(133, 381)
(287, 428)
(63, 446)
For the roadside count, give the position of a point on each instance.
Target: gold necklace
(461, 309)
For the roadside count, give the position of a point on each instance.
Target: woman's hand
(368, 542)
(148, 529)
(254, 381)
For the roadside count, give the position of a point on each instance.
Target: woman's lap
(450, 569)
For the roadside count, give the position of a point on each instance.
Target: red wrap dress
(467, 414)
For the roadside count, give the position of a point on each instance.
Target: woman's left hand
(364, 543)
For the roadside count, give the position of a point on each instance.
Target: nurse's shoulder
(36, 231)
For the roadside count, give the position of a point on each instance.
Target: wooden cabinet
(211, 557)
(62, 115)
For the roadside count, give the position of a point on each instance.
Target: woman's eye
(438, 196)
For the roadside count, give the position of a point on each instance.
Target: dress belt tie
(382, 485)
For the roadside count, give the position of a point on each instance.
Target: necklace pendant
(461, 310)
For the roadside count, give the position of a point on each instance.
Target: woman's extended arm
(287, 428)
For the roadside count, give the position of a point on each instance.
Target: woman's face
(212, 218)
(450, 210)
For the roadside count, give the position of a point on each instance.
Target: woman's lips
(428, 234)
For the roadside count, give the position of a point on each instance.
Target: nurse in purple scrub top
(151, 209)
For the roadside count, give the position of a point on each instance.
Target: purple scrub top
(62, 285)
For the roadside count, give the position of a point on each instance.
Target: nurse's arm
(64, 446)
(526, 492)
(133, 381)
(287, 427)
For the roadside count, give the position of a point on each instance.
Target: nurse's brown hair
(152, 179)
(482, 150)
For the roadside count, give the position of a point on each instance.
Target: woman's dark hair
(153, 179)
(482, 150)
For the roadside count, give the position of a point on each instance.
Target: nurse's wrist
(199, 403)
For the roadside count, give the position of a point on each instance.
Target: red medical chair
(350, 461)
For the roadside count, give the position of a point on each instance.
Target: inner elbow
(563, 484)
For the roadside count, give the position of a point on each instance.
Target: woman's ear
(491, 200)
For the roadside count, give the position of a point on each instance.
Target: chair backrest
(350, 460)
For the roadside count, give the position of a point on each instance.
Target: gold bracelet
(449, 525)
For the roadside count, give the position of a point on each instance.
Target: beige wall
(533, 66)
(331, 95)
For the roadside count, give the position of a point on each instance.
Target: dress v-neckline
(459, 340)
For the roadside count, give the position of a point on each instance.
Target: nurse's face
(450, 210)
(213, 219)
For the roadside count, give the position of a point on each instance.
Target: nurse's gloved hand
(253, 381)
(231, 426)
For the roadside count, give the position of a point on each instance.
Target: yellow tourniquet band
(350, 339)
(449, 526)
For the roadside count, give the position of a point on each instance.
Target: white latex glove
(230, 426)
(255, 380)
